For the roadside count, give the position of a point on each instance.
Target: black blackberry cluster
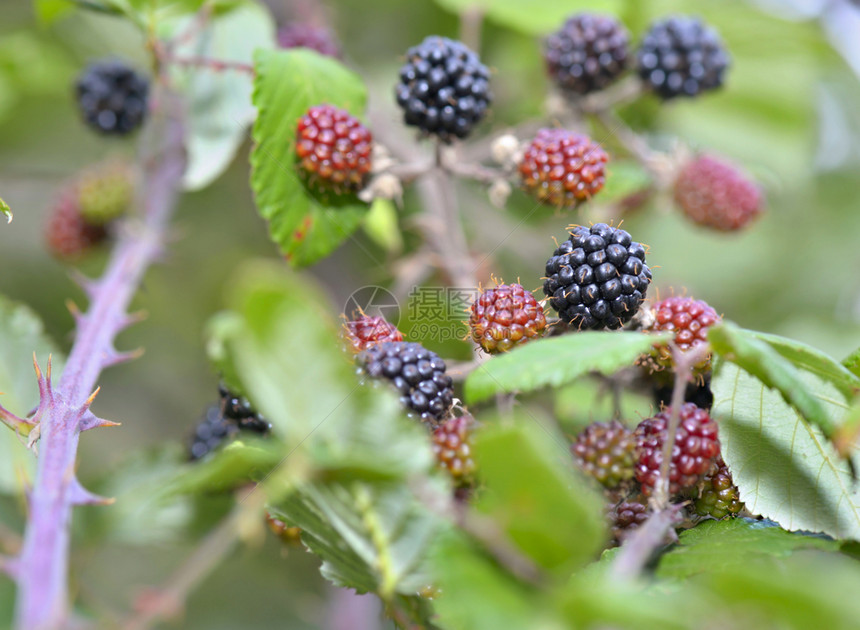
(586, 54)
(222, 422)
(112, 97)
(681, 56)
(444, 88)
(417, 373)
(597, 278)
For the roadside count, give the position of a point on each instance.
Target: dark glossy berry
(697, 392)
(301, 35)
(453, 449)
(681, 56)
(562, 168)
(586, 54)
(607, 452)
(238, 410)
(67, 234)
(444, 89)
(365, 331)
(689, 320)
(720, 496)
(694, 453)
(597, 278)
(717, 195)
(112, 97)
(416, 373)
(626, 517)
(505, 316)
(105, 193)
(212, 431)
(333, 148)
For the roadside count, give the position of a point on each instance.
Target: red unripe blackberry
(694, 453)
(417, 373)
(365, 331)
(689, 320)
(586, 54)
(626, 517)
(505, 316)
(67, 234)
(300, 35)
(681, 56)
(453, 449)
(720, 496)
(597, 278)
(607, 452)
(717, 195)
(333, 148)
(562, 168)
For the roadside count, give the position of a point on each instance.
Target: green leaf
(548, 512)
(49, 11)
(21, 335)
(556, 361)
(219, 104)
(784, 467)
(381, 226)
(529, 17)
(6, 210)
(715, 545)
(762, 361)
(371, 537)
(623, 179)
(852, 362)
(307, 225)
(812, 360)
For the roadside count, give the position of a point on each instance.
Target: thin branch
(42, 598)
(642, 543)
(207, 63)
(471, 23)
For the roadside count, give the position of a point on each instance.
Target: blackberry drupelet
(301, 35)
(720, 496)
(694, 454)
(444, 89)
(505, 316)
(366, 331)
(453, 449)
(681, 56)
(417, 373)
(333, 148)
(607, 452)
(689, 320)
(717, 195)
(67, 234)
(586, 54)
(597, 278)
(112, 97)
(562, 168)
(212, 431)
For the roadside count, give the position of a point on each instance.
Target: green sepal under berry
(305, 223)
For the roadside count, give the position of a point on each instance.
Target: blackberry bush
(562, 168)
(112, 97)
(715, 194)
(597, 278)
(505, 316)
(694, 453)
(607, 452)
(333, 149)
(417, 373)
(681, 56)
(587, 53)
(444, 89)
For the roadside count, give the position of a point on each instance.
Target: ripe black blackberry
(694, 454)
(112, 97)
(606, 451)
(597, 278)
(444, 89)
(417, 373)
(586, 54)
(239, 411)
(681, 56)
(212, 431)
